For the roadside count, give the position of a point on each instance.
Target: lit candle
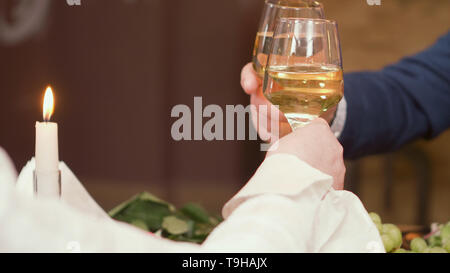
(47, 175)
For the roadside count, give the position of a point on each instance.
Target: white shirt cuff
(289, 206)
(341, 116)
(281, 174)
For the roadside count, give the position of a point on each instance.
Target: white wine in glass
(304, 74)
(303, 93)
(273, 10)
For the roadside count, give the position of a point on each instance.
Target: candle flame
(48, 104)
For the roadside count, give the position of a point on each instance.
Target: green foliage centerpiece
(191, 223)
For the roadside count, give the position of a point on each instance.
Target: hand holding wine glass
(303, 75)
(252, 85)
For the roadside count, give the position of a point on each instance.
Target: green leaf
(150, 213)
(145, 196)
(140, 224)
(182, 238)
(115, 211)
(196, 213)
(150, 197)
(174, 225)
(190, 224)
(203, 229)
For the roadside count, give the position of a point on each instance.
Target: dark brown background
(118, 68)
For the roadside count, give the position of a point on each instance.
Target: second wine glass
(303, 75)
(273, 10)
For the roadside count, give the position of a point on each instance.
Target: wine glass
(273, 10)
(304, 74)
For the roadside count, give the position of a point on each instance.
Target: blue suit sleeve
(401, 103)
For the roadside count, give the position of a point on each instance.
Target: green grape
(445, 232)
(434, 241)
(379, 227)
(395, 234)
(375, 218)
(401, 250)
(435, 250)
(387, 242)
(418, 245)
(447, 246)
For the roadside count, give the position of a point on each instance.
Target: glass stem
(295, 124)
(299, 120)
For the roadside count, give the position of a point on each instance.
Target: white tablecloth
(287, 206)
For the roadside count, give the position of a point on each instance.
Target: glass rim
(317, 20)
(320, 6)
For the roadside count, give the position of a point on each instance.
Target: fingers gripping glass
(303, 75)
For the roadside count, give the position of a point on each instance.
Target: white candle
(46, 157)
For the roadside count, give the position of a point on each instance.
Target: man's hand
(252, 85)
(316, 145)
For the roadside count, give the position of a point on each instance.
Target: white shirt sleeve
(341, 116)
(287, 206)
(8, 173)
